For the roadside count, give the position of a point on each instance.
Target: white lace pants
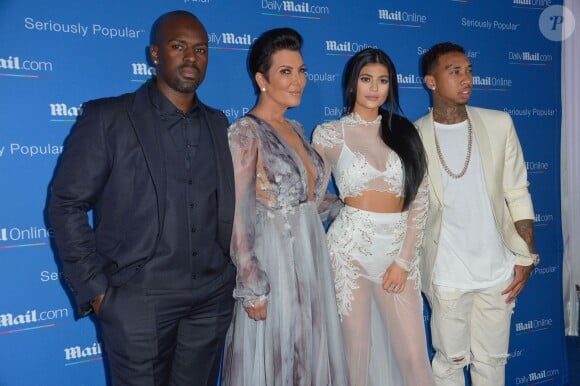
(384, 333)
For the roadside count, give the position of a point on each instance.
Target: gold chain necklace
(467, 156)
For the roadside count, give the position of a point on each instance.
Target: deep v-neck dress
(279, 248)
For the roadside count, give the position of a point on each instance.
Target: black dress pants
(167, 337)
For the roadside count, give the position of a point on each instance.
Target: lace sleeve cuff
(406, 265)
(251, 281)
(254, 301)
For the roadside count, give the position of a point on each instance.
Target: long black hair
(397, 132)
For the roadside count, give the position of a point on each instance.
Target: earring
(155, 62)
(263, 89)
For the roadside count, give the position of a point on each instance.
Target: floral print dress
(280, 251)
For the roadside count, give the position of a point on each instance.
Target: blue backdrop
(54, 55)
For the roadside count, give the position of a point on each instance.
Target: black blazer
(113, 164)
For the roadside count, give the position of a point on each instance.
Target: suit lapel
(483, 144)
(223, 161)
(146, 129)
(432, 157)
(225, 178)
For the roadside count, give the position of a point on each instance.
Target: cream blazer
(505, 177)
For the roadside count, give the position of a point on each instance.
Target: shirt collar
(164, 105)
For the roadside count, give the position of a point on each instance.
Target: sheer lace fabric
(384, 333)
(279, 248)
(360, 161)
(389, 347)
(269, 177)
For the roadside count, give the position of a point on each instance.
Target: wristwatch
(535, 259)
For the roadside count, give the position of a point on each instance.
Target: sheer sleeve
(408, 257)
(252, 282)
(328, 144)
(327, 140)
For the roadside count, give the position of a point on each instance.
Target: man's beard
(187, 85)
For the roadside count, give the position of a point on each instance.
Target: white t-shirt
(471, 254)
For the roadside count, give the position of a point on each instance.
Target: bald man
(155, 169)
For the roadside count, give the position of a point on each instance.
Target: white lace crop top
(359, 159)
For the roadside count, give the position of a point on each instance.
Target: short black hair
(267, 44)
(429, 59)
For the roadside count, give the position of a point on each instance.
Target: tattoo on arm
(525, 229)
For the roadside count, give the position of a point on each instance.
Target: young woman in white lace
(379, 166)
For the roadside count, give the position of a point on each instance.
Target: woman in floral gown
(285, 331)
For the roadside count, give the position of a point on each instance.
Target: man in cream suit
(479, 238)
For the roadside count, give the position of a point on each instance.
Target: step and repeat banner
(55, 55)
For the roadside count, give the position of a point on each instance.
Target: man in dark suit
(155, 169)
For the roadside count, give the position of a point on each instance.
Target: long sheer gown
(279, 248)
(384, 332)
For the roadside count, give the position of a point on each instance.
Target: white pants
(470, 327)
(384, 333)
